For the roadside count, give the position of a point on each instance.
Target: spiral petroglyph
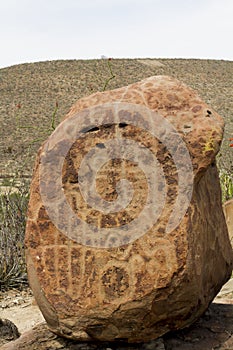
(116, 148)
(125, 237)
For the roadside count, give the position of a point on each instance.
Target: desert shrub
(13, 207)
(226, 181)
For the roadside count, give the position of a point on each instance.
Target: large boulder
(126, 237)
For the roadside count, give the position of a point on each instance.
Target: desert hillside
(29, 94)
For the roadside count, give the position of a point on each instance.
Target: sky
(41, 30)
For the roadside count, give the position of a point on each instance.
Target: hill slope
(29, 93)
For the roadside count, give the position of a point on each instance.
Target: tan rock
(228, 211)
(110, 261)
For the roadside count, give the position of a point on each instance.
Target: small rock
(8, 331)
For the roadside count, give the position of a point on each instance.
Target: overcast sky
(39, 30)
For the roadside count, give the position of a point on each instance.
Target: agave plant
(13, 206)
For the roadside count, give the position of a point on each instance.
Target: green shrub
(226, 181)
(13, 206)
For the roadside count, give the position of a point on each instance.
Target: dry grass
(29, 93)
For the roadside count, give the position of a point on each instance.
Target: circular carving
(101, 225)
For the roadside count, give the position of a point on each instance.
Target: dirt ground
(20, 308)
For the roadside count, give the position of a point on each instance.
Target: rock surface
(157, 279)
(8, 331)
(228, 211)
(212, 331)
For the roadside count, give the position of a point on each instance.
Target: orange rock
(126, 236)
(228, 211)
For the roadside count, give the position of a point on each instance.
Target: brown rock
(8, 331)
(128, 262)
(213, 330)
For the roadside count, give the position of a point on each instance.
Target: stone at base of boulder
(212, 331)
(8, 331)
(41, 338)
